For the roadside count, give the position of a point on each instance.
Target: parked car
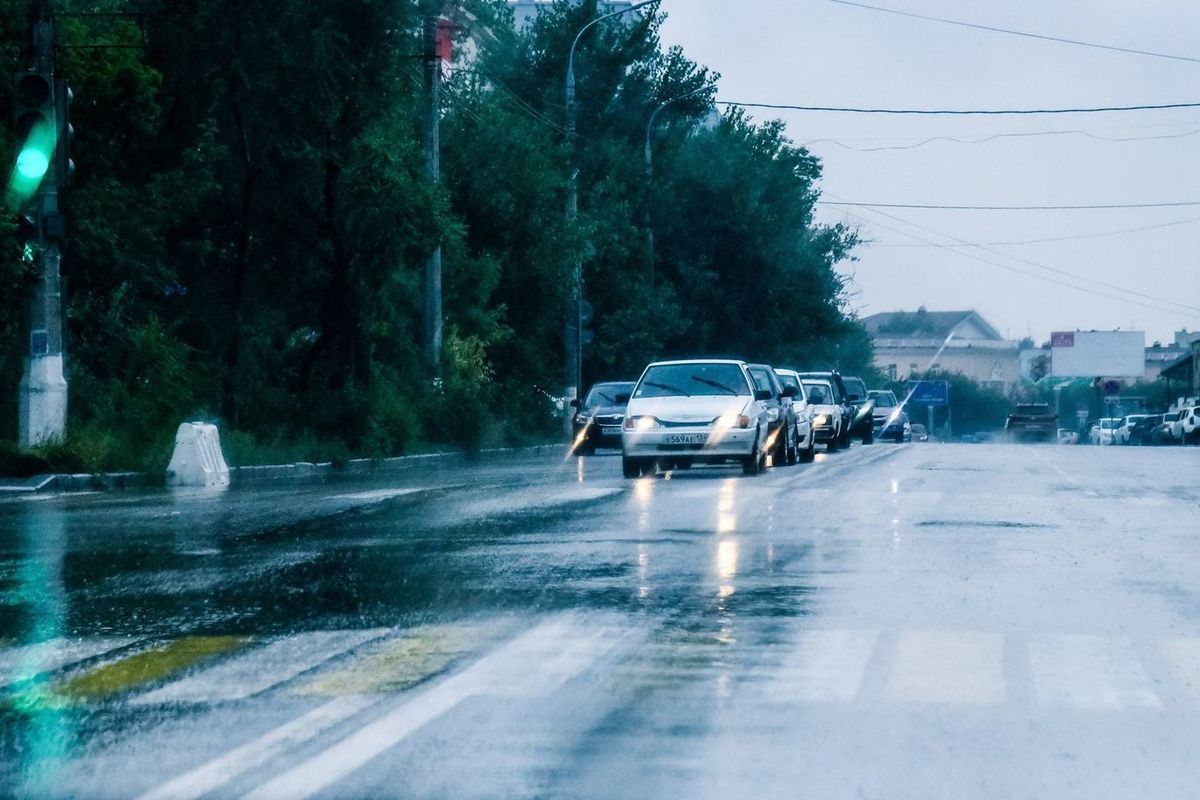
(695, 411)
(1067, 436)
(1124, 433)
(1032, 422)
(1186, 427)
(984, 436)
(888, 418)
(862, 424)
(598, 418)
(828, 414)
(1141, 431)
(1163, 432)
(841, 397)
(805, 441)
(780, 415)
(1104, 431)
(919, 434)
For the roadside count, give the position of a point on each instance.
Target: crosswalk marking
(23, 662)
(260, 669)
(960, 667)
(148, 666)
(1089, 672)
(824, 665)
(512, 662)
(1183, 657)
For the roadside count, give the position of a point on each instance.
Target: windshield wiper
(667, 387)
(714, 384)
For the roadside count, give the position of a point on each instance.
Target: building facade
(526, 11)
(908, 342)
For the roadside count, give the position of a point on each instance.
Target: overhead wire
(1026, 34)
(1181, 310)
(995, 136)
(949, 207)
(1075, 237)
(959, 111)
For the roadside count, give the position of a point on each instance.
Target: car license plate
(610, 430)
(685, 438)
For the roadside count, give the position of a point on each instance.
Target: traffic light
(65, 165)
(36, 132)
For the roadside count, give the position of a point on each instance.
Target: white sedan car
(701, 411)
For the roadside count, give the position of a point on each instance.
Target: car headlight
(731, 421)
(643, 423)
(582, 419)
(821, 419)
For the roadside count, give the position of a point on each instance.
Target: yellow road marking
(147, 666)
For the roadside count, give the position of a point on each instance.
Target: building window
(912, 368)
(891, 371)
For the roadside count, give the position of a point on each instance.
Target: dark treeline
(250, 219)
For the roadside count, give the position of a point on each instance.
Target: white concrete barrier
(197, 460)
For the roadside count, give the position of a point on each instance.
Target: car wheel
(631, 467)
(833, 444)
(869, 436)
(789, 451)
(810, 452)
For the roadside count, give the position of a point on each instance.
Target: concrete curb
(250, 476)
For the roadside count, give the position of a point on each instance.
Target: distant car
(968, 438)
(1141, 432)
(862, 423)
(841, 396)
(805, 441)
(983, 436)
(695, 411)
(1124, 434)
(888, 418)
(919, 434)
(1163, 432)
(597, 420)
(1067, 436)
(1104, 431)
(828, 414)
(1032, 422)
(1186, 427)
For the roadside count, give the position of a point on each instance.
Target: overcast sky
(816, 52)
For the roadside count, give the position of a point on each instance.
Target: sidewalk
(249, 476)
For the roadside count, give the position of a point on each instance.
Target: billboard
(929, 393)
(1092, 354)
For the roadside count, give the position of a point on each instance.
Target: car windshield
(1109, 424)
(605, 394)
(855, 386)
(818, 393)
(691, 380)
(884, 399)
(1034, 408)
(791, 382)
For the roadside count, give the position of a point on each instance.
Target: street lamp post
(574, 356)
(648, 155)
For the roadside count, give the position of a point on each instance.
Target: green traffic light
(32, 164)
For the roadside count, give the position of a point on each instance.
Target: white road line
(512, 662)
(824, 666)
(220, 771)
(377, 495)
(260, 669)
(960, 667)
(1089, 672)
(29, 660)
(1183, 657)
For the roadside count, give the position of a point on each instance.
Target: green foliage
(251, 219)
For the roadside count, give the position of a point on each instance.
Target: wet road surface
(893, 621)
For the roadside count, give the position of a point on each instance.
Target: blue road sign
(929, 393)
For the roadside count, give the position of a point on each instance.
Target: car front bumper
(697, 443)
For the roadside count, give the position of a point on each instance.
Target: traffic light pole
(433, 266)
(42, 394)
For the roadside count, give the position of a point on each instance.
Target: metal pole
(42, 393)
(574, 355)
(433, 267)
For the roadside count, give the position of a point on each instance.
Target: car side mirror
(622, 398)
(574, 402)
(790, 391)
(763, 394)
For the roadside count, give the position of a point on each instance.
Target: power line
(1060, 238)
(958, 111)
(995, 136)
(1037, 276)
(943, 207)
(1026, 34)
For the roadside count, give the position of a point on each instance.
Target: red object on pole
(445, 39)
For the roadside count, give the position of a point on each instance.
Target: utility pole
(432, 30)
(42, 394)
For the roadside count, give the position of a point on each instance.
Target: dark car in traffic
(597, 420)
(856, 408)
(888, 418)
(1032, 422)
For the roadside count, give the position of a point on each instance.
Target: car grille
(608, 419)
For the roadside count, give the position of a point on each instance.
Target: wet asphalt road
(894, 621)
